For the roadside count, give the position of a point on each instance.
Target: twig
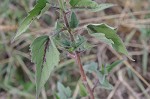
(113, 17)
(132, 69)
(123, 81)
(97, 81)
(114, 90)
(8, 27)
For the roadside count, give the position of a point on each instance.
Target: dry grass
(131, 79)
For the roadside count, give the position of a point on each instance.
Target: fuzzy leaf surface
(73, 21)
(33, 14)
(63, 92)
(110, 35)
(45, 56)
(89, 5)
(110, 67)
(93, 68)
(82, 90)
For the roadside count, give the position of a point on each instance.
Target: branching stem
(77, 56)
(67, 25)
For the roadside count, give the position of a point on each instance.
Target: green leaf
(33, 14)
(110, 38)
(86, 46)
(64, 93)
(82, 90)
(91, 67)
(88, 5)
(47, 6)
(46, 56)
(73, 21)
(103, 38)
(62, 40)
(104, 83)
(62, 5)
(38, 46)
(52, 60)
(66, 44)
(114, 64)
(61, 37)
(58, 26)
(56, 96)
(80, 41)
(100, 76)
(108, 68)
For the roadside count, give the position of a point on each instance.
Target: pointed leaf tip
(32, 15)
(63, 92)
(130, 58)
(89, 5)
(45, 56)
(73, 21)
(109, 37)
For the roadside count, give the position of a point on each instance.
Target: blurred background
(130, 17)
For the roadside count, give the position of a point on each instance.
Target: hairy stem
(67, 25)
(77, 58)
(83, 76)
